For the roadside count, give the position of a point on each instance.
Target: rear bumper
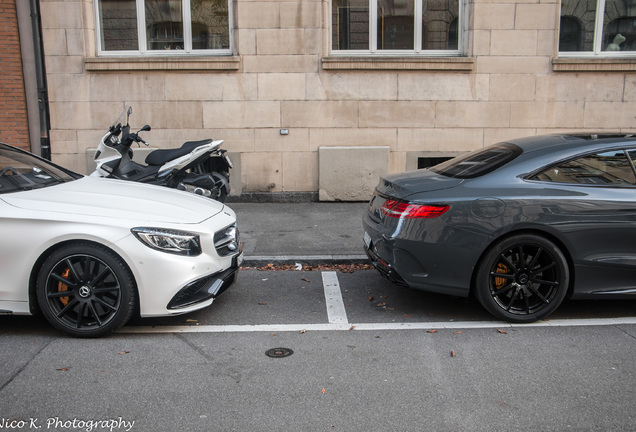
(406, 258)
(386, 269)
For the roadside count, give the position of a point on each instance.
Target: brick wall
(13, 114)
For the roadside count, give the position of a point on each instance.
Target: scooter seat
(161, 156)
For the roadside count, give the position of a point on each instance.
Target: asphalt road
(367, 356)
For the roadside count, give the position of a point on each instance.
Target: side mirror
(145, 128)
(128, 113)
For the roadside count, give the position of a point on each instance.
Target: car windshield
(479, 162)
(20, 171)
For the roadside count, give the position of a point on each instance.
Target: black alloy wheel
(86, 290)
(522, 278)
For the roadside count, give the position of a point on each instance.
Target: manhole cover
(278, 352)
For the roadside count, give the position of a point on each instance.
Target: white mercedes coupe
(90, 252)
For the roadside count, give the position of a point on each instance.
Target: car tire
(86, 290)
(522, 278)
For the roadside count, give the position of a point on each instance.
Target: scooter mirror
(145, 128)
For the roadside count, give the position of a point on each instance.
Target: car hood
(98, 197)
(402, 185)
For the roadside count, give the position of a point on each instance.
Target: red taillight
(404, 210)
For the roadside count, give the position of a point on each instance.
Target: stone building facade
(304, 109)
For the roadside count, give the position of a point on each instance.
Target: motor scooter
(200, 167)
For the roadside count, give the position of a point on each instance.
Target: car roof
(543, 150)
(578, 141)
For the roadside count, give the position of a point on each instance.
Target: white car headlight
(176, 242)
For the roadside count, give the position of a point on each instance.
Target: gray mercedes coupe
(520, 225)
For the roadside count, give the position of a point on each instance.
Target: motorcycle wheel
(221, 187)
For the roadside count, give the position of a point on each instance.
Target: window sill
(583, 64)
(105, 64)
(399, 63)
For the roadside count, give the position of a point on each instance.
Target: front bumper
(206, 288)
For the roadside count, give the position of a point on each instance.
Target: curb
(259, 261)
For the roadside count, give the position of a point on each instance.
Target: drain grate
(278, 352)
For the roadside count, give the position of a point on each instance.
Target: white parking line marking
(591, 322)
(335, 306)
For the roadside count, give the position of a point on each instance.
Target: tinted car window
(22, 171)
(478, 163)
(608, 168)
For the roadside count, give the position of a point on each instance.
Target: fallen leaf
(407, 315)
(124, 352)
(371, 298)
(189, 320)
(303, 331)
(344, 268)
(452, 353)
(502, 332)
(431, 331)
(352, 327)
(323, 390)
(62, 369)
(262, 303)
(303, 279)
(458, 332)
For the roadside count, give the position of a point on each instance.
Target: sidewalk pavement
(307, 233)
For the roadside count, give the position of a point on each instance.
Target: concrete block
(490, 16)
(513, 42)
(472, 114)
(262, 172)
(280, 63)
(352, 86)
(319, 114)
(440, 86)
(280, 41)
(241, 114)
(535, 16)
(548, 114)
(512, 87)
(442, 140)
(303, 14)
(300, 172)
(271, 140)
(350, 173)
(352, 137)
(281, 86)
(61, 14)
(258, 15)
(608, 115)
(397, 114)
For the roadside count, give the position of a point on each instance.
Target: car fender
(546, 231)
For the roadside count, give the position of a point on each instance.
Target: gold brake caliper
(499, 281)
(63, 287)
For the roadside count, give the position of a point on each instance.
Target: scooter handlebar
(130, 138)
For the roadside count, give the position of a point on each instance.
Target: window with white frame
(403, 27)
(597, 28)
(129, 27)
